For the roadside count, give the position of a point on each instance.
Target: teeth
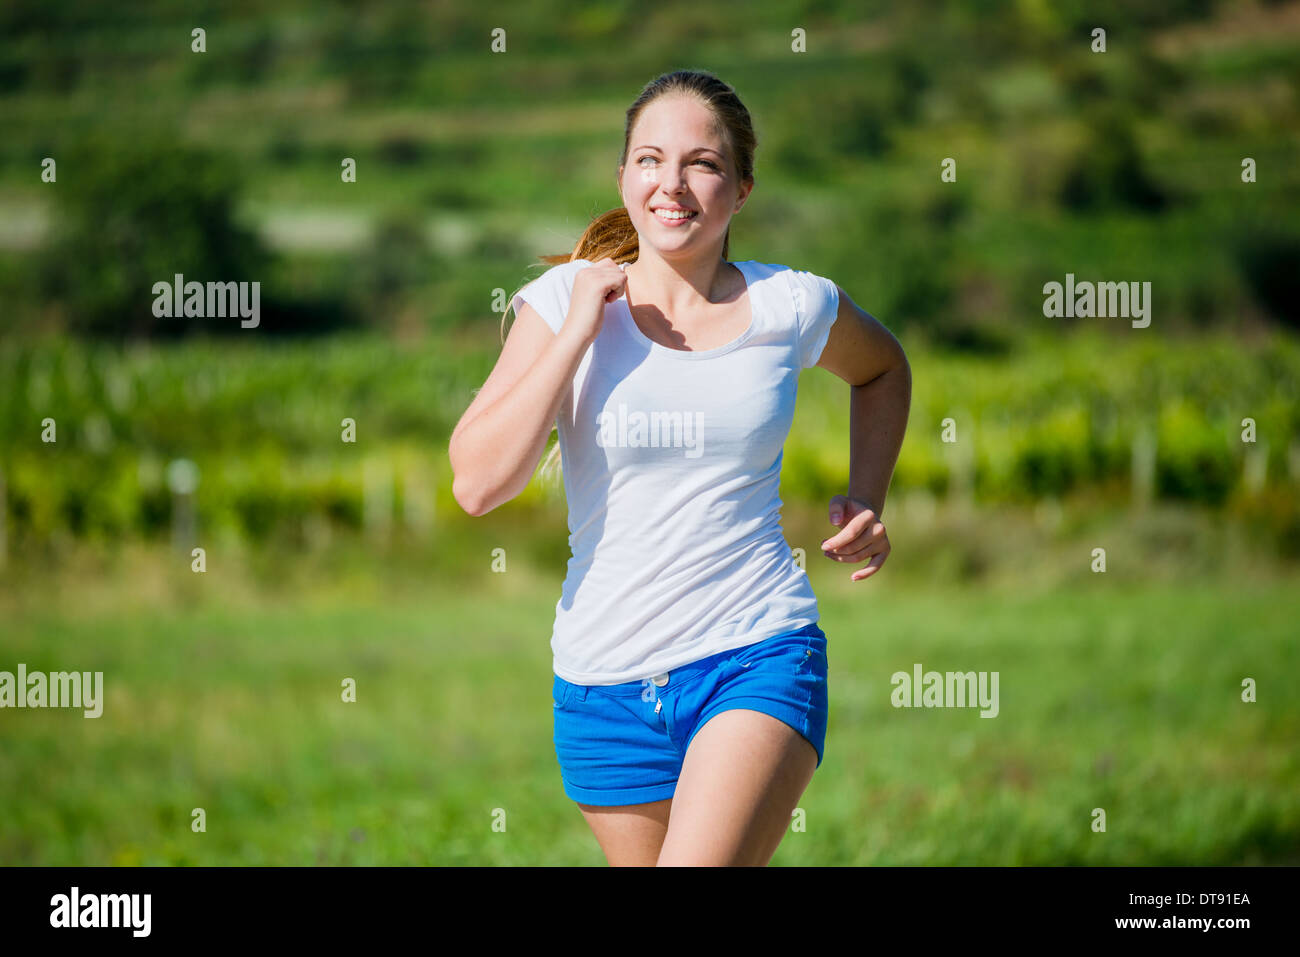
(674, 214)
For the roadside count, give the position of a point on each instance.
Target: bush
(131, 215)
(1107, 170)
(1273, 514)
(1268, 256)
(397, 260)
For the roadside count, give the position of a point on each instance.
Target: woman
(690, 692)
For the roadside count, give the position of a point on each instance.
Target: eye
(712, 166)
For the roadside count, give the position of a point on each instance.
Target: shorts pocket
(813, 658)
(561, 693)
(747, 655)
(789, 653)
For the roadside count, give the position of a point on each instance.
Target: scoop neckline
(701, 353)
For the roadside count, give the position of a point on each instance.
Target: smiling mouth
(673, 218)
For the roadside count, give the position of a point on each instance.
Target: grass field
(224, 694)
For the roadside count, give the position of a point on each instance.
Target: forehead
(678, 121)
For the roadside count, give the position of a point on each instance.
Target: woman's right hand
(594, 287)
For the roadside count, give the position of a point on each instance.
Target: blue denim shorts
(625, 743)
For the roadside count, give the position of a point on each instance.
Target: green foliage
(1063, 154)
(133, 214)
(1273, 515)
(909, 240)
(1268, 255)
(263, 425)
(1062, 416)
(1197, 463)
(1107, 169)
(396, 261)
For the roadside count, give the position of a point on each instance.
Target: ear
(745, 189)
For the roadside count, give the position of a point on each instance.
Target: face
(678, 157)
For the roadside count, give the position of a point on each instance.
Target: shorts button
(660, 680)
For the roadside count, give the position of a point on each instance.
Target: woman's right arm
(498, 442)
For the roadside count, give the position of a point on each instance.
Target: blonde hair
(611, 235)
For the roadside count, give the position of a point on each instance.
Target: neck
(681, 284)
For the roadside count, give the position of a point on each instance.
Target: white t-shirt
(671, 463)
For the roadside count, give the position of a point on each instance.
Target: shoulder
(560, 273)
(809, 295)
(549, 292)
(786, 274)
(806, 304)
(554, 281)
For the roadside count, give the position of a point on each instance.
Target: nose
(674, 185)
(675, 195)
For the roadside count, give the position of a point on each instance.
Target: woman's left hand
(861, 536)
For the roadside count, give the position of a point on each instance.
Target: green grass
(225, 696)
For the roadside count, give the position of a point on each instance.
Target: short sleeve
(816, 304)
(549, 293)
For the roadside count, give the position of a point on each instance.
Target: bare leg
(630, 834)
(741, 780)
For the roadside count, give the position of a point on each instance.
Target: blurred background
(381, 302)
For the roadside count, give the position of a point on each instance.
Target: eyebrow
(698, 149)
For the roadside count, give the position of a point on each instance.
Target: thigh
(741, 780)
(631, 835)
(759, 740)
(618, 764)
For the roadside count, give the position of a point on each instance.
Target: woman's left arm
(866, 355)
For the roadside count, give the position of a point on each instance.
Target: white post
(183, 479)
(1255, 469)
(417, 501)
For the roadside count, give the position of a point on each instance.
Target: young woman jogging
(690, 690)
